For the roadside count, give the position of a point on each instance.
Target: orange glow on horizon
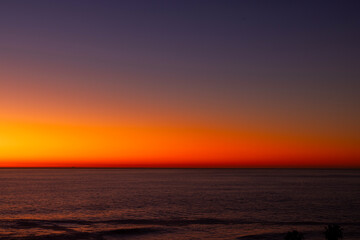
(41, 127)
(24, 144)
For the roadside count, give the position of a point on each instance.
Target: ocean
(111, 204)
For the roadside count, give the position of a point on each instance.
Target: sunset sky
(179, 83)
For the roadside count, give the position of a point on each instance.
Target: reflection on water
(176, 203)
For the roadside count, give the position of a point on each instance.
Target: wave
(31, 229)
(96, 235)
(36, 223)
(263, 236)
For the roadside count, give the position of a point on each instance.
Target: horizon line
(315, 168)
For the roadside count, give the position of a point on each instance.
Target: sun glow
(40, 144)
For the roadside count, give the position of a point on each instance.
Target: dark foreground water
(176, 203)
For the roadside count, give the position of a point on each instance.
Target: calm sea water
(176, 203)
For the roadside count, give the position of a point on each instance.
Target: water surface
(177, 203)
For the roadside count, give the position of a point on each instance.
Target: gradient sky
(180, 83)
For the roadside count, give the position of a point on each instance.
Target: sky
(179, 83)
